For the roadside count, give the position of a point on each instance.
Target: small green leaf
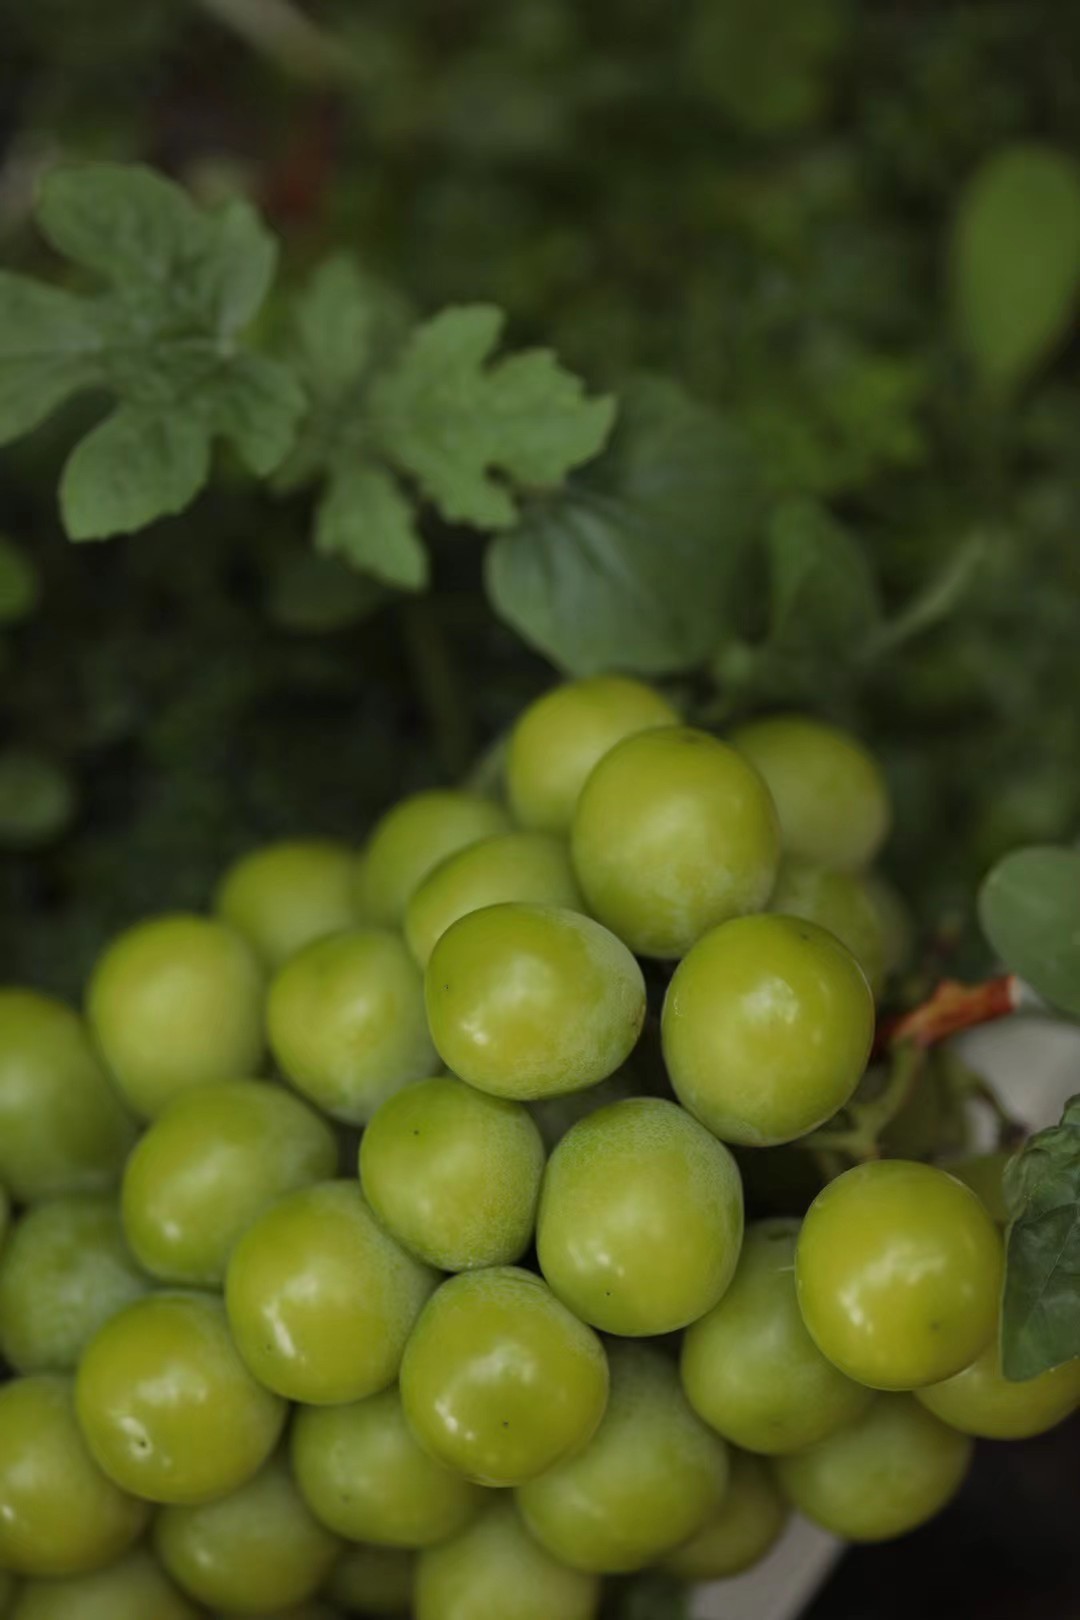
(347, 322)
(632, 565)
(452, 421)
(824, 594)
(122, 221)
(1041, 1309)
(1029, 908)
(1016, 260)
(19, 588)
(37, 800)
(50, 348)
(240, 261)
(365, 519)
(133, 468)
(256, 406)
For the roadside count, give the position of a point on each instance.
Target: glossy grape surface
(346, 1022)
(412, 838)
(496, 1569)
(533, 867)
(981, 1401)
(842, 902)
(284, 896)
(209, 1166)
(641, 1218)
(529, 1001)
(767, 1027)
(135, 1588)
(674, 832)
(746, 1525)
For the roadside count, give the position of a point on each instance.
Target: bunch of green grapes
(379, 1241)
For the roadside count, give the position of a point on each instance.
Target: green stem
(290, 40)
(859, 1140)
(438, 686)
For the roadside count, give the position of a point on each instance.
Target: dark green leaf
(1029, 907)
(824, 597)
(19, 588)
(632, 565)
(1041, 1310)
(132, 469)
(37, 800)
(365, 519)
(50, 348)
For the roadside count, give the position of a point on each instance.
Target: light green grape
(284, 896)
(512, 866)
(981, 1401)
(495, 1568)
(558, 739)
(135, 1588)
(739, 1533)
(412, 838)
(673, 833)
(843, 903)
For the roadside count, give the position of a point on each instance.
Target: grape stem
(951, 1007)
(859, 1139)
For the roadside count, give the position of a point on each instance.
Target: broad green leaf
(19, 588)
(1041, 1309)
(256, 405)
(313, 595)
(1029, 908)
(134, 468)
(1016, 260)
(37, 799)
(631, 566)
(347, 322)
(240, 260)
(824, 597)
(463, 427)
(123, 221)
(49, 349)
(365, 519)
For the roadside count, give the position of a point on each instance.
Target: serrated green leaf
(19, 588)
(256, 406)
(1016, 260)
(37, 799)
(452, 421)
(240, 262)
(1041, 1307)
(134, 468)
(824, 596)
(632, 565)
(49, 349)
(122, 221)
(365, 519)
(347, 323)
(1029, 907)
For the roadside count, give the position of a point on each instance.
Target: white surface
(781, 1586)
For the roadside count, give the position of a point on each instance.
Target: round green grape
(641, 1218)
(62, 1127)
(881, 1476)
(135, 1588)
(285, 896)
(176, 1002)
(533, 867)
(259, 1547)
(496, 1569)
(59, 1514)
(529, 1001)
(839, 901)
(209, 1166)
(830, 794)
(673, 833)
(984, 1173)
(650, 1477)
(168, 1408)
(412, 838)
(364, 1475)
(5, 1216)
(899, 1269)
(64, 1273)
(740, 1532)
(750, 1368)
(347, 1023)
(558, 739)
(555, 1116)
(981, 1401)
(499, 1380)
(373, 1580)
(454, 1174)
(767, 1028)
(895, 921)
(321, 1300)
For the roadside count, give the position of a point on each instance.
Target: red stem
(951, 1008)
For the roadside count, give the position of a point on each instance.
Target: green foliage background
(765, 200)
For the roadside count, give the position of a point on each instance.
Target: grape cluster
(379, 1241)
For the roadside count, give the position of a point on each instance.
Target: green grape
(673, 833)
(895, 921)
(209, 1166)
(558, 739)
(285, 896)
(739, 1533)
(167, 1407)
(767, 1027)
(135, 1588)
(533, 867)
(176, 1002)
(881, 1476)
(321, 1300)
(496, 1571)
(347, 1024)
(62, 1127)
(454, 1174)
(641, 1218)
(256, 1548)
(412, 838)
(364, 1475)
(5, 1216)
(650, 1477)
(899, 1271)
(373, 1580)
(984, 1173)
(842, 903)
(555, 1116)
(981, 1401)
(750, 1368)
(59, 1514)
(829, 792)
(499, 1381)
(529, 1001)
(65, 1272)
(299, 1611)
